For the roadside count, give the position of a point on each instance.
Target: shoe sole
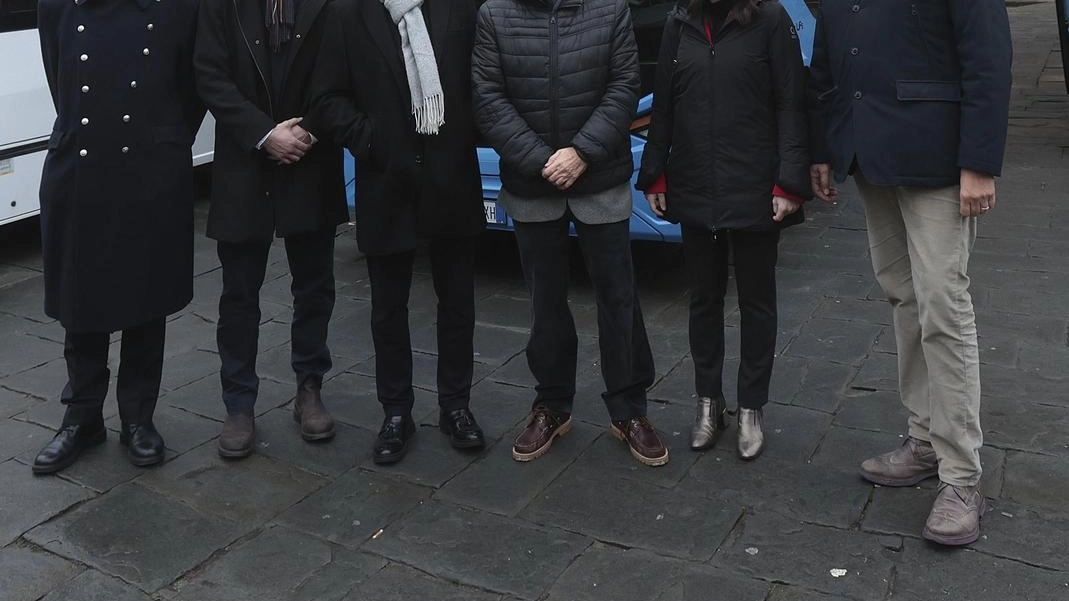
(391, 459)
(235, 454)
(564, 429)
(51, 469)
(650, 461)
(750, 457)
(141, 462)
(897, 482)
(463, 445)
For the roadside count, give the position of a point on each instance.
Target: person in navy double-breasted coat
(117, 204)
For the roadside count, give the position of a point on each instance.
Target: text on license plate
(492, 213)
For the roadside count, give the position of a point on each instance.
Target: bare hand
(303, 135)
(820, 179)
(977, 193)
(564, 168)
(781, 207)
(657, 203)
(283, 145)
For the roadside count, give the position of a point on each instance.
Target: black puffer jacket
(546, 79)
(728, 120)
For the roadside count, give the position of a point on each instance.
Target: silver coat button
(85, 89)
(145, 52)
(125, 149)
(126, 118)
(298, 36)
(150, 26)
(257, 42)
(85, 120)
(83, 152)
(133, 84)
(81, 28)
(84, 57)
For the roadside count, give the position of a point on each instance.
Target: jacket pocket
(171, 134)
(937, 91)
(57, 139)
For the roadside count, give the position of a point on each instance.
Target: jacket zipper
(708, 34)
(554, 51)
(267, 87)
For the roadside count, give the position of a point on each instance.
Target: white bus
(27, 114)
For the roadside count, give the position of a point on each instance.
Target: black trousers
(755, 254)
(140, 370)
(626, 359)
(311, 261)
(453, 272)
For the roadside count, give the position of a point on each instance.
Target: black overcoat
(410, 187)
(117, 186)
(914, 92)
(254, 198)
(728, 120)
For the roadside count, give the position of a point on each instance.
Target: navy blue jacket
(913, 90)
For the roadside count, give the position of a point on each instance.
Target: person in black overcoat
(727, 158)
(116, 206)
(412, 189)
(275, 174)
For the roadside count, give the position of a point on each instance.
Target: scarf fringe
(430, 117)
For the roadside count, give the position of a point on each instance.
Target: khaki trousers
(920, 246)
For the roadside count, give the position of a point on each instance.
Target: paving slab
(402, 583)
(204, 397)
(278, 436)
(1039, 481)
(782, 592)
(880, 411)
(248, 492)
(279, 564)
(32, 352)
(1021, 425)
(846, 342)
(27, 500)
(43, 382)
(780, 549)
(130, 533)
(605, 573)
(18, 437)
(499, 484)
(634, 514)
(824, 385)
(28, 573)
(189, 367)
(846, 448)
(480, 549)
(353, 508)
(91, 585)
(49, 413)
(927, 572)
(879, 371)
(182, 431)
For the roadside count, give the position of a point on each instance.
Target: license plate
(494, 214)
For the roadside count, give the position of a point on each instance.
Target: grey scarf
(428, 102)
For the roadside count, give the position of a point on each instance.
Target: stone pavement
(584, 523)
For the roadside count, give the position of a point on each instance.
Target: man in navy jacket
(912, 99)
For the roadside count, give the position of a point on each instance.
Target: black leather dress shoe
(463, 431)
(392, 442)
(67, 446)
(144, 445)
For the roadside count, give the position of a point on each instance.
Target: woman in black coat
(727, 159)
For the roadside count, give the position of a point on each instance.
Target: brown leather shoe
(538, 436)
(239, 432)
(955, 516)
(308, 410)
(645, 444)
(913, 462)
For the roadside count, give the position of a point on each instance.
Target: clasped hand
(564, 168)
(288, 142)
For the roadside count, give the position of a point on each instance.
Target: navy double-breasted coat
(117, 187)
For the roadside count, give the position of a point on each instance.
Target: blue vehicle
(648, 17)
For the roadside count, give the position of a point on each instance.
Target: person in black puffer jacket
(555, 89)
(727, 158)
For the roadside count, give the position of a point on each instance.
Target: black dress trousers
(453, 272)
(626, 359)
(140, 370)
(755, 254)
(311, 261)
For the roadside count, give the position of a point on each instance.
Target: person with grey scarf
(397, 94)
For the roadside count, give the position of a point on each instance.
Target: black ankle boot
(68, 445)
(144, 444)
